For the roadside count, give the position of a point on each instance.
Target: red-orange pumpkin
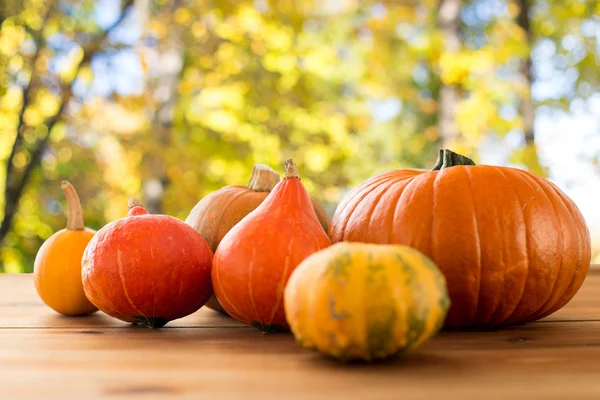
(217, 213)
(257, 256)
(147, 269)
(513, 247)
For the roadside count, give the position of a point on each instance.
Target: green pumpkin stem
(448, 158)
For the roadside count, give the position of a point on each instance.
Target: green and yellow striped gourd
(356, 301)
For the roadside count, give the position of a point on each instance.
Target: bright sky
(567, 144)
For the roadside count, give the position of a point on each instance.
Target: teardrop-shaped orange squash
(221, 210)
(256, 258)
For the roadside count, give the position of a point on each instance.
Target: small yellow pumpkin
(356, 301)
(57, 268)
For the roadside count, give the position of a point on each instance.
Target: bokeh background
(169, 100)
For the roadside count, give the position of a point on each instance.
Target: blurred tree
(526, 106)
(42, 91)
(260, 85)
(509, 49)
(450, 24)
(165, 87)
(176, 98)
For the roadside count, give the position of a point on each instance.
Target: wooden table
(207, 356)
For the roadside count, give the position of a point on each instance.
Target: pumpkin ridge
(224, 293)
(510, 318)
(377, 199)
(282, 186)
(582, 260)
(545, 187)
(437, 175)
(282, 281)
(547, 191)
(498, 308)
(390, 223)
(358, 192)
(494, 313)
(478, 241)
(416, 327)
(440, 279)
(547, 305)
(398, 201)
(432, 212)
(250, 291)
(99, 294)
(403, 308)
(154, 304)
(100, 299)
(125, 292)
(512, 312)
(199, 301)
(310, 337)
(215, 232)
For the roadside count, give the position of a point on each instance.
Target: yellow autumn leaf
(249, 19)
(48, 103)
(454, 67)
(219, 120)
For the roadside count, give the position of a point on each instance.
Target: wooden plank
(20, 307)
(550, 361)
(586, 303)
(208, 356)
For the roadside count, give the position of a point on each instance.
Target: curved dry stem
(134, 202)
(291, 171)
(74, 212)
(448, 158)
(263, 178)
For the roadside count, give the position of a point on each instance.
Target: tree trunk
(526, 107)
(17, 180)
(529, 156)
(449, 22)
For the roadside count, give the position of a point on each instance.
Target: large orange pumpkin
(221, 210)
(513, 247)
(147, 269)
(256, 258)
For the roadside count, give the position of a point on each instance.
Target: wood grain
(208, 356)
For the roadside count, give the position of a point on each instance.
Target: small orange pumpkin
(257, 256)
(513, 247)
(57, 267)
(221, 210)
(148, 269)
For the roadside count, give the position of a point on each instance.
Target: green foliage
(211, 88)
